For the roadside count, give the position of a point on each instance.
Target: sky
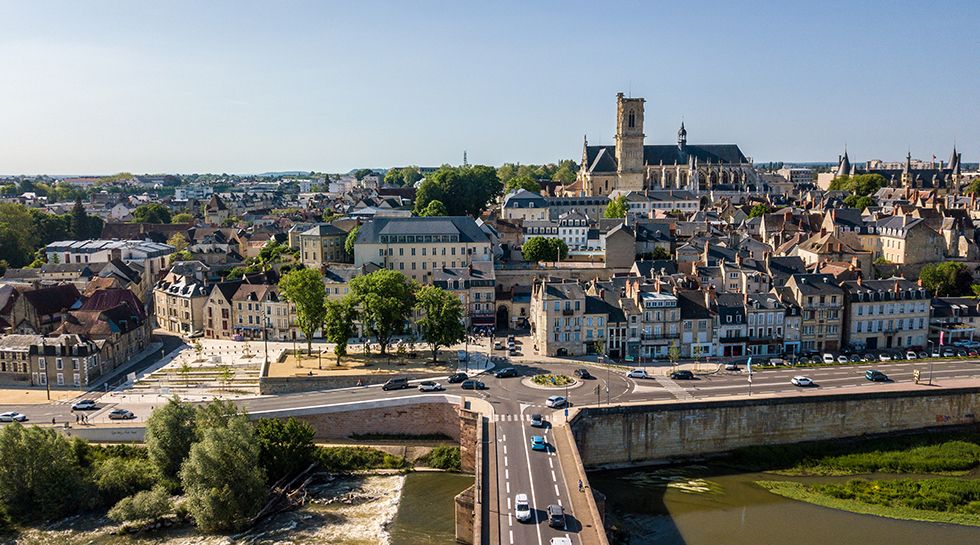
(238, 86)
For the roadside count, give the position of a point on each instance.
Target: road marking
(505, 450)
(511, 536)
(508, 506)
(553, 478)
(551, 463)
(559, 501)
(530, 474)
(505, 460)
(556, 491)
(508, 486)
(675, 389)
(506, 474)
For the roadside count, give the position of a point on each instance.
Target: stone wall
(647, 433)
(468, 439)
(292, 385)
(465, 510)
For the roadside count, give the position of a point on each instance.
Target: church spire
(682, 137)
(844, 168)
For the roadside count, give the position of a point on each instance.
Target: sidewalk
(583, 506)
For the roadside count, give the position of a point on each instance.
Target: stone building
(885, 314)
(322, 245)
(821, 302)
(179, 304)
(557, 313)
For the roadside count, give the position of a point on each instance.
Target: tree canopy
(522, 182)
(861, 185)
(441, 323)
(564, 171)
(305, 290)
(339, 324)
(435, 208)
(169, 436)
(385, 299)
(151, 213)
(40, 475)
(351, 239)
(947, 279)
(404, 176)
(286, 447)
(360, 173)
(544, 249)
(464, 191)
(617, 207)
(759, 210)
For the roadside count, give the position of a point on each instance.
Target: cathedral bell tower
(629, 135)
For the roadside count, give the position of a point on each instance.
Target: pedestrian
(52, 421)
(76, 419)
(580, 486)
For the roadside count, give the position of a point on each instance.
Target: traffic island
(551, 382)
(302, 372)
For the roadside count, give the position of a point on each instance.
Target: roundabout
(554, 382)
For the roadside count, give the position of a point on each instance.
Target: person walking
(581, 486)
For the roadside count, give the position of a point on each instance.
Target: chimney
(860, 281)
(788, 214)
(602, 293)
(738, 259)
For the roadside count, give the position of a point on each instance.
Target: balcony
(658, 336)
(567, 312)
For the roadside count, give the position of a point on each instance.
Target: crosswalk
(511, 418)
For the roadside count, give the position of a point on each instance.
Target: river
(699, 505)
(426, 513)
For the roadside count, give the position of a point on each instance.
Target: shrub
(40, 477)
(117, 478)
(358, 458)
(145, 505)
(286, 446)
(442, 457)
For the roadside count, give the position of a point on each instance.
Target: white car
(556, 402)
(84, 405)
(884, 357)
(560, 541)
(522, 509)
(638, 373)
(429, 386)
(910, 355)
(842, 359)
(828, 358)
(801, 381)
(12, 417)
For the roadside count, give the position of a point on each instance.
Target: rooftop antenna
(465, 162)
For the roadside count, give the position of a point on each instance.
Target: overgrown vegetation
(358, 458)
(552, 380)
(442, 457)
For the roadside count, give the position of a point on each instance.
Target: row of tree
(861, 187)
(383, 302)
(24, 231)
(462, 191)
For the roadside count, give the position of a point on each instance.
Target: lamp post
(265, 339)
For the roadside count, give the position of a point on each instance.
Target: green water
(699, 505)
(426, 511)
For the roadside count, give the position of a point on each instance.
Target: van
(556, 516)
(395, 384)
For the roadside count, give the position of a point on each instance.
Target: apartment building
(58, 361)
(179, 304)
(476, 288)
(322, 245)
(906, 240)
(697, 324)
(557, 314)
(764, 317)
(884, 314)
(654, 319)
(821, 302)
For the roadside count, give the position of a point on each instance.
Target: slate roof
(603, 158)
(464, 226)
(53, 299)
(110, 298)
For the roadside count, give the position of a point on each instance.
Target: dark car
(506, 372)
(875, 375)
(456, 378)
(473, 385)
(683, 374)
(583, 374)
(556, 516)
(395, 384)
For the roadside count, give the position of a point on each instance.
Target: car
(12, 416)
(869, 357)
(800, 380)
(556, 402)
(875, 375)
(910, 355)
(556, 516)
(430, 386)
(522, 509)
(538, 421)
(473, 385)
(973, 352)
(560, 541)
(948, 353)
(121, 414)
(884, 357)
(538, 443)
(506, 372)
(511, 338)
(395, 384)
(962, 353)
(498, 345)
(828, 358)
(855, 358)
(583, 374)
(84, 405)
(775, 362)
(898, 356)
(683, 374)
(923, 355)
(456, 378)
(638, 373)
(732, 367)
(936, 353)
(842, 359)
(512, 352)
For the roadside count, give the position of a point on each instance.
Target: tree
(566, 172)
(17, 237)
(147, 505)
(674, 353)
(760, 209)
(465, 191)
(859, 202)
(544, 249)
(617, 207)
(183, 217)
(435, 208)
(351, 240)
(169, 436)
(360, 173)
(522, 182)
(860, 185)
(216, 414)
(151, 213)
(286, 447)
(405, 176)
(385, 298)
(223, 478)
(661, 253)
(181, 253)
(304, 289)
(118, 477)
(947, 279)
(339, 324)
(79, 219)
(39, 474)
(441, 323)
(973, 188)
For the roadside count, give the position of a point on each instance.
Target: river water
(698, 505)
(426, 513)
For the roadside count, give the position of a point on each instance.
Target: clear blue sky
(233, 86)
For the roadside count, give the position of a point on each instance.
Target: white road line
(510, 521)
(553, 478)
(530, 475)
(556, 491)
(508, 486)
(512, 537)
(505, 460)
(503, 438)
(559, 501)
(506, 474)
(508, 506)
(505, 450)
(551, 463)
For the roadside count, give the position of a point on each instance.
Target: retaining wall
(293, 385)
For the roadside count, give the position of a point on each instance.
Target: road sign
(566, 412)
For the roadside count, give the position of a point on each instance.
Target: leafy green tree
(441, 323)
(617, 207)
(151, 213)
(522, 182)
(40, 477)
(544, 249)
(46, 228)
(566, 172)
(386, 299)
(17, 237)
(79, 219)
(216, 414)
(360, 173)
(859, 202)
(339, 325)
(223, 478)
(661, 253)
(169, 436)
(117, 477)
(285, 446)
(435, 208)
(947, 279)
(759, 210)
(304, 289)
(861, 185)
(183, 217)
(465, 191)
(147, 505)
(973, 188)
(405, 176)
(351, 240)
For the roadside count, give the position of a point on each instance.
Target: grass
(904, 499)
(556, 381)
(443, 457)
(358, 458)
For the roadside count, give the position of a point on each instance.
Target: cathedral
(630, 165)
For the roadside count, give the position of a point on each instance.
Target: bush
(286, 446)
(145, 505)
(443, 457)
(358, 458)
(117, 478)
(942, 495)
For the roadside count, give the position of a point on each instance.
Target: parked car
(498, 345)
(583, 374)
(875, 375)
(473, 385)
(973, 352)
(869, 357)
(522, 509)
(395, 384)
(801, 381)
(923, 355)
(948, 353)
(506, 372)
(936, 353)
(560, 541)
(456, 378)
(556, 402)
(538, 443)
(732, 367)
(884, 357)
(12, 416)
(430, 386)
(911, 355)
(962, 353)
(556, 516)
(828, 358)
(842, 359)
(683, 374)
(855, 358)
(84, 405)
(512, 352)
(121, 414)
(638, 373)
(898, 356)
